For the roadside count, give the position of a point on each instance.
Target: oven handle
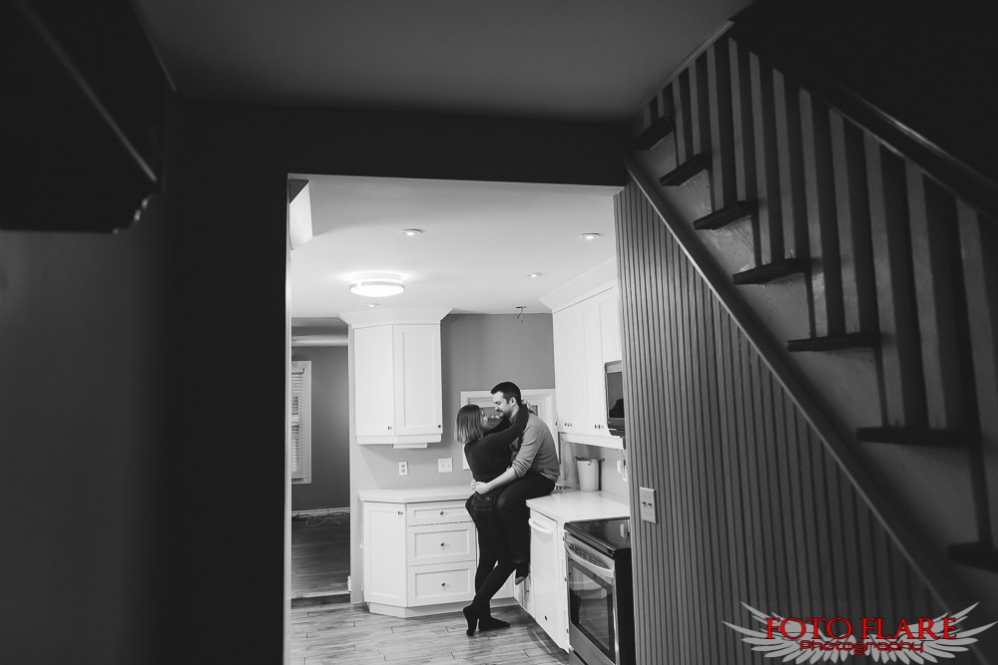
(537, 527)
(588, 564)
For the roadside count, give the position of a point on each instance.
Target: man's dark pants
(512, 506)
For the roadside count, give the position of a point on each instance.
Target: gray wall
(330, 486)
(477, 352)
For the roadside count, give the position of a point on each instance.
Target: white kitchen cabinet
(586, 337)
(395, 365)
(418, 557)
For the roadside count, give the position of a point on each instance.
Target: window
(301, 422)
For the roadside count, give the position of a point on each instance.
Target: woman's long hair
(469, 424)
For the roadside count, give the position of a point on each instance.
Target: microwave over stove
(614, 372)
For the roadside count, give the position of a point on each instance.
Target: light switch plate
(647, 510)
(444, 465)
(403, 468)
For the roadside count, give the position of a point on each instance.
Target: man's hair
(508, 389)
(469, 424)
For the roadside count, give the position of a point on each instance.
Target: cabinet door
(592, 362)
(609, 316)
(374, 406)
(384, 554)
(577, 370)
(562, 369)
(418, 392)
(548, 588)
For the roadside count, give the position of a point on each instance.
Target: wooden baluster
(721, 121)
(791, 166)
(700, 111)
(684, 129)
(767, 170)
(849, 171)
(932, 221)
(901, 365)
(823, 235)
(979, 246)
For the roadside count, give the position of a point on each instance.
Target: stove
(600, 599)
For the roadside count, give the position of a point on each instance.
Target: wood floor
(346, 635)
(320, 555)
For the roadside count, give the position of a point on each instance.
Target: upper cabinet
(395, 364)
(586, 325)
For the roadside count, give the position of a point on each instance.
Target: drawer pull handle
(443, 584)
(400, 512)
(441, 512)
(537, 527)
(441, 544)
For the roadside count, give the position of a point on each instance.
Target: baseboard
(320, 512)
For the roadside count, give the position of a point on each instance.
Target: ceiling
(561, 59)
(589, 60)
(480, 243)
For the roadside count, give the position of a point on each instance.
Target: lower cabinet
(546, 596)
(417, 556)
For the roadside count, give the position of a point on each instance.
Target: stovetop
(612, 537)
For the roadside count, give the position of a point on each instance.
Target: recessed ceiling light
(589, 236)
(535, 274)
(374, 304)
(377, 288)
(411, 233)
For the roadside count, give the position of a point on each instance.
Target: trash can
(589, 475)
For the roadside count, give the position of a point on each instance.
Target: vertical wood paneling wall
(752, 508)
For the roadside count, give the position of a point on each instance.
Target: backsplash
(611, 481)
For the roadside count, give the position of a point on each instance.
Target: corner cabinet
(420, 551)
(397, 394)
(586, 337)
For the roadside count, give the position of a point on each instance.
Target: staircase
(865, 259)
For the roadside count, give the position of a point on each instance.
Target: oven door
(591, 604)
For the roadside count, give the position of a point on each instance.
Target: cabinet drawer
(441, 583)
(437, 512)
(440, 543)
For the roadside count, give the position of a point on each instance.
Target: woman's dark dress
(488, 458)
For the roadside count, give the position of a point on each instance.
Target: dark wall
(84, 426)
(227, 187)
(330, 486)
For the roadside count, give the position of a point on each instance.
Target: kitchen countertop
(574, 505)
(417, 494)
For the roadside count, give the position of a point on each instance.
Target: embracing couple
(514, 461)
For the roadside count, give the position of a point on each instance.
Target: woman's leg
(492, 531)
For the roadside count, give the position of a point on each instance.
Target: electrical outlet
(403, 468)
(444, 465)
(647, 509)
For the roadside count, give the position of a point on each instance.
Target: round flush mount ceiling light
(411, 233)
(535, 274)
(590, 236)
(377, 288)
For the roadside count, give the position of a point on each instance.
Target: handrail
(952, 173)
(830, 434)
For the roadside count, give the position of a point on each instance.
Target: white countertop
(562, 505)
(574, 505)
(417, 494)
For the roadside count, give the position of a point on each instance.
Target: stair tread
(978, 555)
(657, 131)
(911, 436)
(685, 171)
(724, 216)
(771, 271)
(855, 340)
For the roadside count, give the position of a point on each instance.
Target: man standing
(533, 473)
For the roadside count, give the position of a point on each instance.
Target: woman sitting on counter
(488, 456)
